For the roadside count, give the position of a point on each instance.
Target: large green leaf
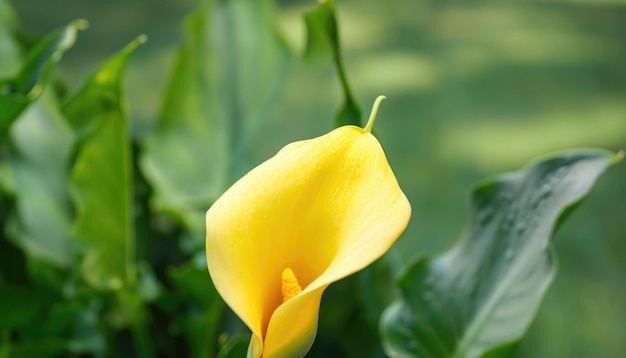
(20, 91)
(323, 39)
(40, 145)
(101, 177)
(102, 184)
(479, 298)
(226, 77)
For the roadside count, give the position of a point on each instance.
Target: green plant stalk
(136, 313)
(133, 304)
(131, 298)
(343, 77)
(5, 348)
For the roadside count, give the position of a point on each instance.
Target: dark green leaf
(12, 259)
(479, 298)
(19, 305)
(323, 38)
(48, 276)
(40, 145)
(201, 323)
(19, 92)
(226, 77)
(40, 348)
(49, 337)
(192, 281)
(342, 311)
(236, 347)
(376, 290)
(101, 178)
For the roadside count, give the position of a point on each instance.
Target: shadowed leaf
(226, 76)
(201, 323)
(17, 93)
(40, 143)
(20, 305)
(237, 346)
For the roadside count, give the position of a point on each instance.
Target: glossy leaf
(17, 93)
(40, 147)
(322, 39)
(101, 177)
(479, 298)
(226, 76)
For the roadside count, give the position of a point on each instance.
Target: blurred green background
(473, 89)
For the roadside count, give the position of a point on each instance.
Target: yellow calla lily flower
(316, 212)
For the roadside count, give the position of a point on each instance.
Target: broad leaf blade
(226, 77)
(101, 178)
(40, 145)
(479, 298)
(322, 39)
(19, 92)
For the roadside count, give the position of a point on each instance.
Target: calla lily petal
(320, 210)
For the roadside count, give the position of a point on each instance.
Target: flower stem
(370, 121)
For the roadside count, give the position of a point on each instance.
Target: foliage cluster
(103, 241)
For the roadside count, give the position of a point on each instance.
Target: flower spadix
(318, 211)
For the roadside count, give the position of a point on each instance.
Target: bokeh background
(474, 89)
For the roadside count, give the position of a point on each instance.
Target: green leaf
(342, 311)
(17, 93)
(226, 77)
(40, 348)
(236, 347)
(192, 282)
(323, 38)
(201, 323)
(20, 305)
(376, 290)
(479, 298)
(12, 260)
(40, 144)
(101, 177)
(9, 49)
(75, 318)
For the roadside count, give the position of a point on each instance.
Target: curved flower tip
(318, 211)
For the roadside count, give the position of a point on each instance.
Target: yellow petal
(293, 326)
(323, 208)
